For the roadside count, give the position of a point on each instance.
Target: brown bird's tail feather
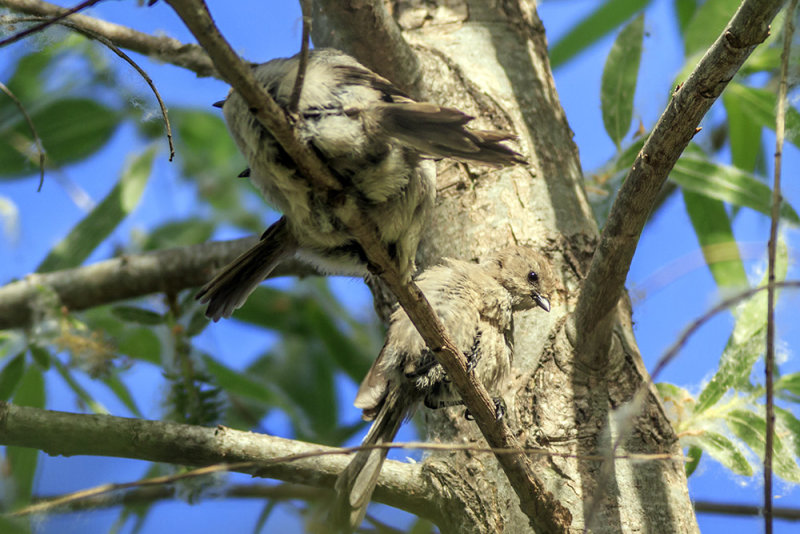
(356, 483)
(229, 289)
(441, 131)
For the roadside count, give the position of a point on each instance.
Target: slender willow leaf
(190, 231)
(744, 133)
(751, 428)
(132, 314)
(714, 232)
(591, 29)
(790, 383)
(619, 80)
(240, 384)
(789, 427)
(728, 184)
(122, 392)
(707, 23)
(70, 130)
(760, 104)
(694, 454)
(23, 460)
(722, 450)
(78, 389)
(746, 342)
(40, 355)
(11, 375)
(684, 11)
(95, 227)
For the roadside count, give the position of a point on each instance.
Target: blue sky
(263, 33)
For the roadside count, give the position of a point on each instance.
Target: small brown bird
(475, 303)
(376, 141)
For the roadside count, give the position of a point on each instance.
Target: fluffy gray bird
(373, 138)
(475, 303)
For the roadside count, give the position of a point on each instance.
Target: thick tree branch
(60, 433)
(544, 511)
(167, 49)
(637, 196)
(125, 277)
(358, 27)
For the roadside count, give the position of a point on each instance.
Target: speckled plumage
(475, 303)
(373, 138)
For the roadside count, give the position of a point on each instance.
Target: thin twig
(780, 129)
(707, 507)
(297, 90)
(36, 138)
(39, 27)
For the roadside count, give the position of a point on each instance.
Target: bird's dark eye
(533, 277)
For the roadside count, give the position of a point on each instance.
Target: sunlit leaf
(592, 28)
(790, 383)
(694, 454)
(713, 230)
(722, 450)
(751, 428)
(97, 225)
(240, 384)
(746, 343)
(728, 184)
(619, 80)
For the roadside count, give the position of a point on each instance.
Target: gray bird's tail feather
(229, 289)
(356, 483)
(441, 131)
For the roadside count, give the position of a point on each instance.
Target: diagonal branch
(544, 511)
(167, 49)
(673, 132)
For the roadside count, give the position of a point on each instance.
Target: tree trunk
(491, 61)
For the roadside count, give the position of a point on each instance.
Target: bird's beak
(541, 301)
(219, 103)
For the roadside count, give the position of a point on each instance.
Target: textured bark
(493, 64)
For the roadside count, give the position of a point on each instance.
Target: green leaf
(592, 28)
(97, 225)
(122, 392)
(297, 315)
(746, 343)
(79, 390)
(727, 183)
(22, 460)
(132, 314)
(751, 428)
(707, 24)
(70, 129)
(241, 384)
(714, 232)
(40, 355)
(191, 231)
(790, 383)
(694, 454)
(197, 323)
(744, 133)
(722, 450)
(619, 80)
(684, 11)
(760, 104)
(788, 426)
(11, 375)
